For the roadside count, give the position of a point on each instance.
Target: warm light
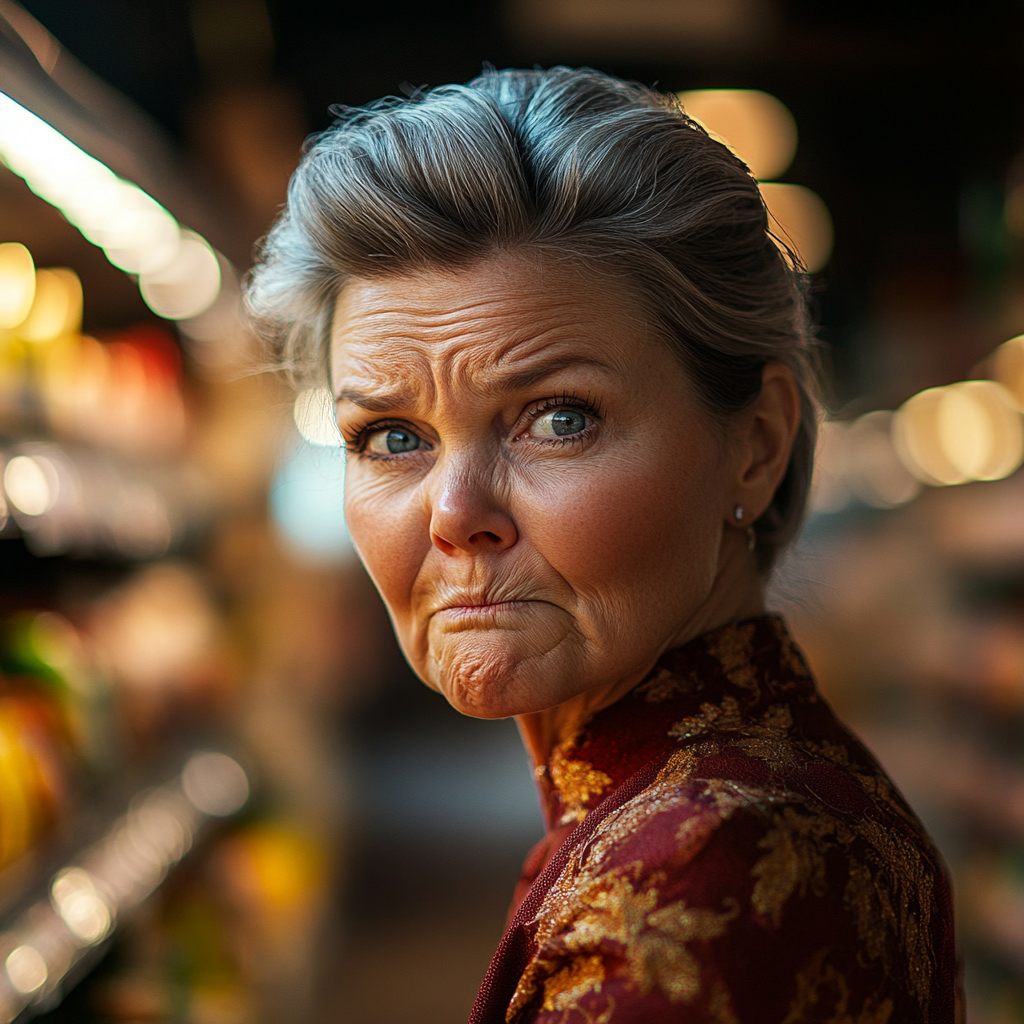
(30, 488)
(84, 911)
(801, 220)
(135, 232)
(57, 308)
(980, 429)
(1008, 367)
(966, 431)
(158, 829)
(26, 969)
(754, 125)
(215, 784)
(123, 394)
(17, 283)
(875, 473)
(314, 417)
(74, 385)
(188, 285)
(915, 437)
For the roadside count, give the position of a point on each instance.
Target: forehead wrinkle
(376, 386)
(414, 323)
(485, 346)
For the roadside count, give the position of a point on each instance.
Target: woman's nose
(465, 516)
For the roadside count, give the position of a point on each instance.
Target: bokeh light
(135, 232)
(875, 473)
(802, 221)
(83, 909)
(756, 126)
(188, 285)
(1008, 367)
(315, 419)
(17, 283)
(56, 308)
(307, 501)
(31, 484)
(966, 431)
(26, 969)
(215, 784)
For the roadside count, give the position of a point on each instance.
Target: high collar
(737, 670)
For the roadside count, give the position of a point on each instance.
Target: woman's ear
(765, 439)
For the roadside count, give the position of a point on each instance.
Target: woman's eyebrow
(377, 401)
(521, 379)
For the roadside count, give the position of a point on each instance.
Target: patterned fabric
(722, 849)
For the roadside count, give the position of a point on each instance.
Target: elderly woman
(574, 374)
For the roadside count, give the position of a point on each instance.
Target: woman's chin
(487, 676)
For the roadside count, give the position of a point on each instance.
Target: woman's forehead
(493, 321)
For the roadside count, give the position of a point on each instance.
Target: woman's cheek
(385, 540)
(627, 520)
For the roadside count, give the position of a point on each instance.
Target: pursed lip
(477, 605)
(460, 616)
(470, 607)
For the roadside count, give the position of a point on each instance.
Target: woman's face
(531, 483)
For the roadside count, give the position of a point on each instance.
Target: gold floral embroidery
(669, 964)
(899, 900)
(731, 648)
(578, 783)
(819, 984)
(653, 943)
(773, 727)
(768, 740)
(860, 899)
(665, 684)
(565, 988)
(723, 717)
(829, 751)
(795, 860)
(580, 906)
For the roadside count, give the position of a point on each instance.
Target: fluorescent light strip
(179, 273)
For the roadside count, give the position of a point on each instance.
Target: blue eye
(559, 423)
(393, 442)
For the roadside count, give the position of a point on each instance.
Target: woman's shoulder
(767, 866)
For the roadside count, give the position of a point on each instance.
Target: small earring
(739, 513)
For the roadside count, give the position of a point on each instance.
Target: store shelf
(65, 925)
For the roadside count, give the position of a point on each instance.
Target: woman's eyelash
(567, 400)
(356, 440)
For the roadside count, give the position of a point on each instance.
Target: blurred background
(193, 667)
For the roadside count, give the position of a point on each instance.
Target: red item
(735, 855)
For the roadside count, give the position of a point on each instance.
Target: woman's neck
(736, 594)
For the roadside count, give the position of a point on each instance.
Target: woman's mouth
(470, 615)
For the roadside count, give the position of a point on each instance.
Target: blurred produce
(121, 469)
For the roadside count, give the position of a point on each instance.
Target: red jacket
(722, 849)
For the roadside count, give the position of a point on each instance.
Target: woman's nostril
(485, 537)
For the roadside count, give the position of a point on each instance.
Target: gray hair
(571, 163)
